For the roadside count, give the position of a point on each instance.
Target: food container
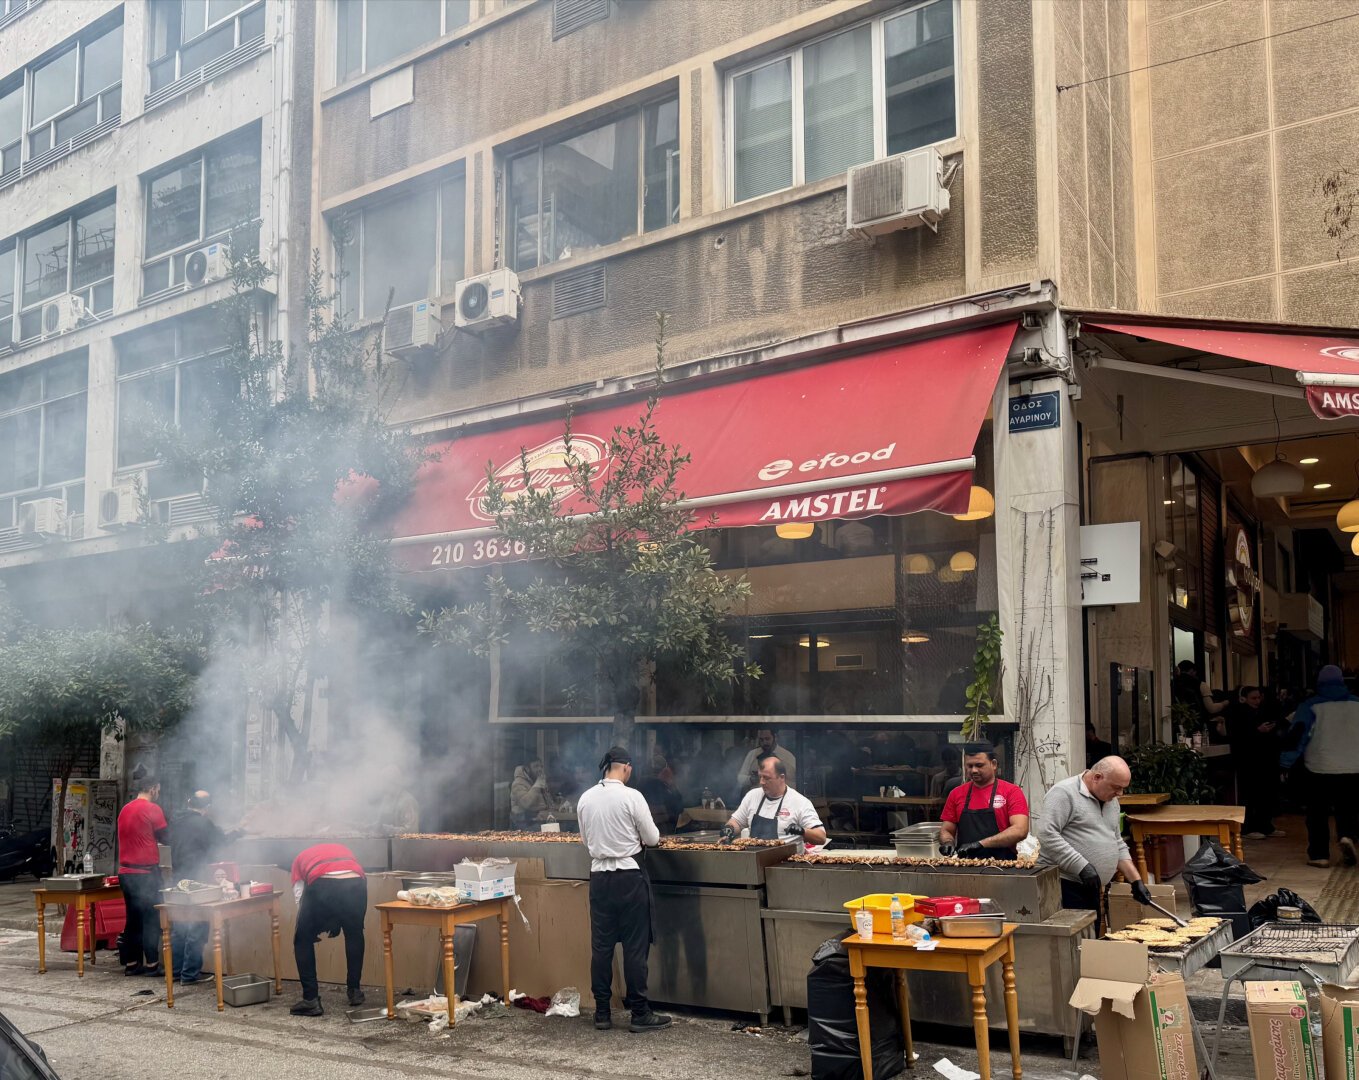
(198, 894)
(936, 906)
(73, 882)
(987, 926)
(241, 990)
(1288, 913)
(435, 880)
(918, 841)
(880, 904)
(261, 888)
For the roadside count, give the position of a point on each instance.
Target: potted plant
(1173, 768)
(984, 688)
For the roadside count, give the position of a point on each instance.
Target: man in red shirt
(332, 896)
(986, 817)
(141, 828)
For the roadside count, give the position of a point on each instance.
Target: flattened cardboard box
(1142, 1022)
(1280, 1032)
(1340, 1031)
(1124, 910)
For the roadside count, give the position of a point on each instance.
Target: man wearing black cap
(615, 825)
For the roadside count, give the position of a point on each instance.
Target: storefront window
(1184, 570)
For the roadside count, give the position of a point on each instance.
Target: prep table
(82, 900)
(217, 915)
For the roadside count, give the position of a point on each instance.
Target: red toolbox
(935, 906)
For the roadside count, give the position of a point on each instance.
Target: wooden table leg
(904, 1003)
(856, 968)
(278, 952)
(166, 960)
(42, 934)
(1007, 968)
(450, 972)
(505, 952)
(976, 976)
(387, 963)
(80, 937)
(92, 933)
(217, 960)
(1139, 851)
(1237, 849)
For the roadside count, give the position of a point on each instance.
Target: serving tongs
(1167, 914)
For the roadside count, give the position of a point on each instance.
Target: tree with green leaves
(619, 585)
(303, 467)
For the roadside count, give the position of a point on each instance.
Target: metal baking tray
(241, 990)
(207, 894)
(918, 841)
(74, 882)
(987, 926)
(1193, 957)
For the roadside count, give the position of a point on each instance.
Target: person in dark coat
(196, 841)
(1255, 741)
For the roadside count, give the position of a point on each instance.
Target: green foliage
(1170, 767)
(618, 587)
(984, 688)
(1187, 720)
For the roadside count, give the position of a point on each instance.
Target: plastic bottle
(89, 862)
(898, 919)
(707, 798)
(918, 934)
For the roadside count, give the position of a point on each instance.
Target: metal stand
(1274, 963)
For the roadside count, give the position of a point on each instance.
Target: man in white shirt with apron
(615, 826)
(774, 811)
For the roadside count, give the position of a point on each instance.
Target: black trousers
(330, 906)
(1077, 897)
(1260, 785)
(1330, 794)
(141, 935)
(620, 913)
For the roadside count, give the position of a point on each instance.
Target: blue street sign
(1035, 412)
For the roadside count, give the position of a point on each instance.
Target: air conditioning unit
(207, 264)
(411, 327)
(121, 505)
(62, 313)
(898, 192)
(487, 300)
(43, 517)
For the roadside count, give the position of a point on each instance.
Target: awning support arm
(1316, 378)
(1203, 378)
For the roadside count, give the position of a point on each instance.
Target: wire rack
(1330, 950)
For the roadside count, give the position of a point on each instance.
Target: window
(371, 32)
(876, 89)
(411, 247)
(187, 35)
(7, 249)
(596, 187)
(171, 374)
(1182, 501)
(73, 254)
(205, 198)
(42, 435)
(74, 91)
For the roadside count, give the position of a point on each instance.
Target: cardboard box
(488, 879)
(1142, 1022)
(1340, 1031)
(1280, 1031)
(1124, 910)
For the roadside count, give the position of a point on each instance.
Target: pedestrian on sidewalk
(1326, 727)
(141, 830)
(1255, 756)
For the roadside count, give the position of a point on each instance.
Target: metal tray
(208, 894)
(241, 990)
(74, 882)
(1330, 951)
(987, 926)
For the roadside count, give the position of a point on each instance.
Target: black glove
(946, 850)
(1090, 878)
(794, 829)
(1140, 893)
(973, 850)
(728, 834)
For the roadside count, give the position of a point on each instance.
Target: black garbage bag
(1215, 878)
(1267, 910)
(832, 1033)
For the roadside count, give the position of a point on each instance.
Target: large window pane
(173, 207)
(45, 256)
(11, 114)
(590, 189)
(233, 179)
(456, 13)
(919, 77)
(837, 97)
(20, 436)
(347, 234)
(762, 135)
(143, 403)
(54, 86)
(64, 440)
(348, 37)
(452, 233)
(93, 247)
(220, 9)
(103, 63)
(525, 224)
(6, 287)
(62, 377)
(660, 202)
(398, 26)
(398, 252)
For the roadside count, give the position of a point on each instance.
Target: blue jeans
(186, 949)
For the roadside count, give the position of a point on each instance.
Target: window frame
(20, 256)
(794, 54)
(364, 68)
(177, 53)
(41, 405)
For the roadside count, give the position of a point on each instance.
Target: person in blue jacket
(1326, 731)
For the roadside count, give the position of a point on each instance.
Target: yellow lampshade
(963, 562)
(980, 505)
(795, 530)
(1354, 544)
(806, 642)
(915, 637)
(1348, 518)
(949, 576)
(919, 564)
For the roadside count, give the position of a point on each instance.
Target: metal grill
(1306, 943)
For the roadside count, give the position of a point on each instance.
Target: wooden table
(82, 899)
(1223, 822)
(1154, 798)
(445, 919)
(966, 956)
(217, 915)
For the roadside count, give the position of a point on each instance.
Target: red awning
(1327, 366)
(889, 432)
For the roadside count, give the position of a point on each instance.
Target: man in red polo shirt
(332, 896)
(986, 817)
(141, 828)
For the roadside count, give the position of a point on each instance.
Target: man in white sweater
(1079, 834)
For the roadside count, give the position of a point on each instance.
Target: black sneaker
(603, 1020)
(356, 997)
(308, 1007)
(201, 977)
(649, 1022)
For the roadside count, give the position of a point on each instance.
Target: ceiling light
(1308, 460)
(919, 564)
(1354, 544)
(759, 637)
(915, 637)
(980, 505)
(806, 642)
(1321, 487)
(1167, 502)
(1278, 478)
(795, 530)
(1347, 520)
(963, 562)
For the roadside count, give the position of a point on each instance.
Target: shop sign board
(1035, 412)
(1111, 564)
(1243, 582)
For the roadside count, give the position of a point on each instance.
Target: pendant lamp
(980, 505)
(1348, 518)
(963, 562)
(1279, 477)
(1354, 544)
(915, 637)
(919, 564)
(795, 530)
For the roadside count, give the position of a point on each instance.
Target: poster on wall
(90, 823)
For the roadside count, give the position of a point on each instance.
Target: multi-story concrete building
(529, 182)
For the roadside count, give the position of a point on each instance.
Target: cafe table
(1224, 823)
(964, 956)
(1151, 798)
(217, 915)
(82, 900)
(445, 919)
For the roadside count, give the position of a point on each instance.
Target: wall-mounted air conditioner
(62, 313)
(898, 192)
(207, 264)
(121, 505)
(43, 517)
(411, 328)
(487, 300)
